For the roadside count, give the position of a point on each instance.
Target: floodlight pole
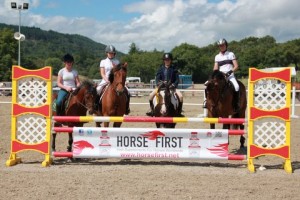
(19, 53)
(21, 7)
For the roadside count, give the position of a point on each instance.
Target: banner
(91, 142)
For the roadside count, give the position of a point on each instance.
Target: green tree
(8, 53)
(55, 63)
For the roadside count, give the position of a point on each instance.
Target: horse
(165, 104)
(114, 97)
(77, 103)
(219, 99)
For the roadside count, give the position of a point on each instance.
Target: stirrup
(180, 115)
(150, 114)
(204, 104)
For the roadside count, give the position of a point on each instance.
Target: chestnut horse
(219, 100)
(165, 104)
(114, 98)
(78, 102)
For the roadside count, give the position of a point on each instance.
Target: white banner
(91, 142)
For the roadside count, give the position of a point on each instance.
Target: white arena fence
(139, 92)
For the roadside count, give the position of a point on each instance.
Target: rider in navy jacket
(169, 74)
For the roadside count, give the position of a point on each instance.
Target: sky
(160, 24)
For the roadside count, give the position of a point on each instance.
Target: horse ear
(125, 64)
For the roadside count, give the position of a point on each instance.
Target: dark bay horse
(165, 104)
(219, 100)
(114, 98)
(77, 103)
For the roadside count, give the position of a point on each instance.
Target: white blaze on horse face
(163, 109)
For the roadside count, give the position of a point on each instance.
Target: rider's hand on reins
(172, 87)
(69, 89)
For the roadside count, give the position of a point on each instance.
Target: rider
(67, 79)
(105, 67)
(167, 72)
(226, 62)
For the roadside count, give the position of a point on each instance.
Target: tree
(8, 53)
(133, 49)
(55, 63)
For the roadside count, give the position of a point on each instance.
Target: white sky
(161, 25)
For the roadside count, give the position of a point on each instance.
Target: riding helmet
(167, 56)
(68, 58)
(222, 41)
(110, 49)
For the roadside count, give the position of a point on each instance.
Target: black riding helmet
(68, 58)
(167, 56)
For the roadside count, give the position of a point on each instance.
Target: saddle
(98, 103)
(64, 105)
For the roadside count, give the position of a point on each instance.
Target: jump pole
(147, 119)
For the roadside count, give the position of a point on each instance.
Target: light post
(18, 36)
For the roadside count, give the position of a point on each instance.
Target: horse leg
(106, 124)
(98, 124)
(117, 124)
(70, 142)
(242, 142)
(53, 141)
(157, 125)
(242, 138)
(212, 126)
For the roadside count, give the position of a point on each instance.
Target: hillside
(41, 46)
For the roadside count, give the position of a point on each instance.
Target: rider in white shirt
(105, 67)
(226, 62)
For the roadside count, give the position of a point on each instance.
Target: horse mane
(85, 84)
(218, 75)
(113, 70)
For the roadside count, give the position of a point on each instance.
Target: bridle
(121, 82)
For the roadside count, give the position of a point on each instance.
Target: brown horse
(114, 98)
(78, 102)
(219, 100)
(166, 104)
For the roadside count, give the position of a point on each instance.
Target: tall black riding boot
(235, 102)
(151, 112)
(58, 110)
(180, 109)
(97, 102)
(127, 103)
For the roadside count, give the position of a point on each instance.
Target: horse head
(164, 102)
(86, 95)
(215, 87)
(117, 78)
